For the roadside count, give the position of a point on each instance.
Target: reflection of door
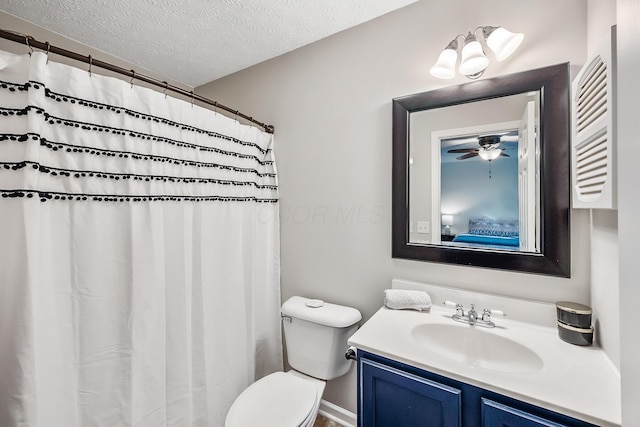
(527, 179)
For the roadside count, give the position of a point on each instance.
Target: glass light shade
(474, 60)
(489, 154)
(447, 220)
(445, 68)
(502, 42)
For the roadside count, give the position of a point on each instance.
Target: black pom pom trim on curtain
(210, 163)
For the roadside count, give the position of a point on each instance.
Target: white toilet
(316, 335)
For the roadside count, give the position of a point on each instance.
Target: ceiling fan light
(501, 41)
(489, 154)
(445, 67)
(474, 60)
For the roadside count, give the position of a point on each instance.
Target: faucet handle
(457, 306)
(486, 314)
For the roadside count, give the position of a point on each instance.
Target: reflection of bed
(490, 232)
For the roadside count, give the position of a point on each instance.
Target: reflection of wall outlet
(424, 227)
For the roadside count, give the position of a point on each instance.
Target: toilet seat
(279, 399)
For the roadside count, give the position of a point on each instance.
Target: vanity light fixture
(473, 60)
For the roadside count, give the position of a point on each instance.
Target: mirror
(474, 174)
(481, 173)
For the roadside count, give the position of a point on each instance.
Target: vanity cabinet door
(390, 397)
(498, 415)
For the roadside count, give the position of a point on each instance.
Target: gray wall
(330, 103)
(628, 17)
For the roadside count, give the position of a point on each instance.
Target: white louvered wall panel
(593, 151)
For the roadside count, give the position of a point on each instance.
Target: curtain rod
(46, 46)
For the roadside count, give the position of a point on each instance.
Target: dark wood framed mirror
(542, 237)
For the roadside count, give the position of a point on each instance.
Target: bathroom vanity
(397, 394)
(424, 369)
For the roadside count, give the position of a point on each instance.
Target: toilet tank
(316, 335)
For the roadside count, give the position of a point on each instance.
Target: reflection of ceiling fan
(489, 148)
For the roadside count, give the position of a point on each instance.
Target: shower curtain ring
(90, 64)
(192, 98)
(48, 49)
(133, 76)
(26, 38)
(166, 87)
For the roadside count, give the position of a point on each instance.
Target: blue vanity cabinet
(394, 398)
(394, 394)
(498, 415)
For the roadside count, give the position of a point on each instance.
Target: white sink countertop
(580, 382)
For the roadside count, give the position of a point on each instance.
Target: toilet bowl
(280, 399)
(316, 335)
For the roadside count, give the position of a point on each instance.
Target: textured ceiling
(196, 41)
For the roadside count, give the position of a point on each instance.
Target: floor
(323, 422)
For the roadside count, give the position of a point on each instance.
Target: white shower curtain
(139, 253)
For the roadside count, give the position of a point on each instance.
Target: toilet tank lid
(324, 313)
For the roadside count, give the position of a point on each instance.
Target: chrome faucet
(471, 317)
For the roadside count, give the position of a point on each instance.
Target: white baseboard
(336, 413)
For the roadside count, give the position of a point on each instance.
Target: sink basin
(474, 346)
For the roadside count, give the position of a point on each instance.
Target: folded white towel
(399, 299)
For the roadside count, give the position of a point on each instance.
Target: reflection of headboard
(490, 232)
(486, 226)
